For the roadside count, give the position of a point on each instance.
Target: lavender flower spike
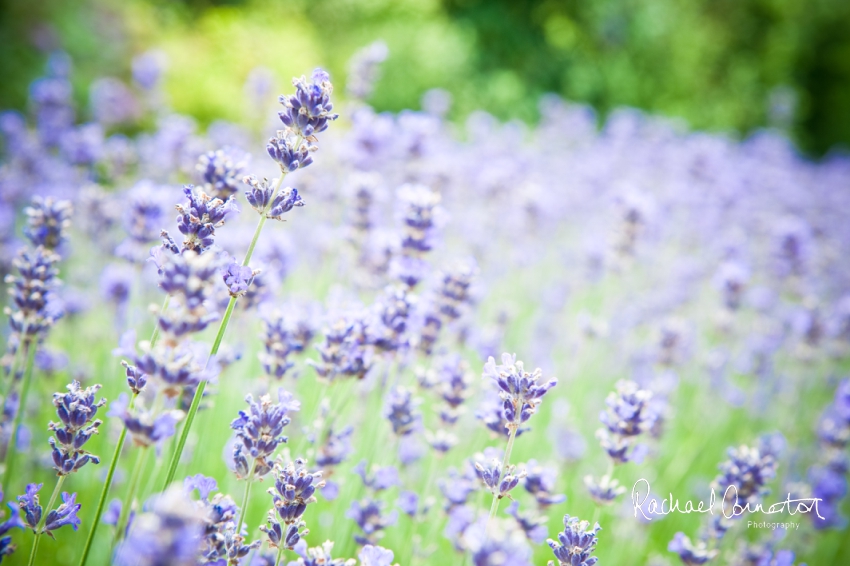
(575, 544)
(65, 514)
(48, 220)
(308, 111)
(520, 390)
(238, 278)
(293, 491)
(629, 415)
(264, 200)
(31, 509)
(200, 216)
(690, 553)
(221, 171)
(259, 431)
(76, 410)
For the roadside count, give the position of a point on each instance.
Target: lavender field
(230, 344)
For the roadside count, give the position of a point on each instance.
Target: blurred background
(720, 65)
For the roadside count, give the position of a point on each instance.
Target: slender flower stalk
(521, 393)
(43, 520)
(494, 506)
(306, 113)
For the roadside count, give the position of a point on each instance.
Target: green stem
(40, 526)
(505, 462)
(121, 525)
(104, 492)
(199, 392)
(279, 555)
(245, 496)
(101, 503)
(22, 404)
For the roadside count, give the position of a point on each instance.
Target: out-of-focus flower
(364, 69)
(690, 553)
(48, 221)
(168, 532)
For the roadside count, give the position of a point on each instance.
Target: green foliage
(717, 64)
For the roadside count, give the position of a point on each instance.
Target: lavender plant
(705, 269)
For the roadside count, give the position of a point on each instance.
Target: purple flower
(202, 483)
(454, 289)
(308, 111)
(76, 410)
(392, 312)
(29, 505)
(375, 556)
(364, 69)
(420, 208)
(605, 490)
(400, 409)
(731, 278)
(691, 554)
(294, 490)
(381, 478)
(220, 541)
(629, 414)
(346, 350)
(496, 542)
(533, 527)
(259, 431)
(456, 488)
(65, 514)
(317, 556)
(200, 216)
(488, 467)
(492, 414)
(148, 68)
(170, 368)
(282, 336)
(116, 282)
(748, 470)
(336, 447)
(238, 278)
(48, 220)
(112, 102)
(168, 532)
(6, 525)
(189, 279)
(576, 543)
(221, 171)
(112, 513)
(370, 518)
(289, 151)
(540, 482)
(519, 389)
(408, 502)
(454, 383)
(36, 307)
